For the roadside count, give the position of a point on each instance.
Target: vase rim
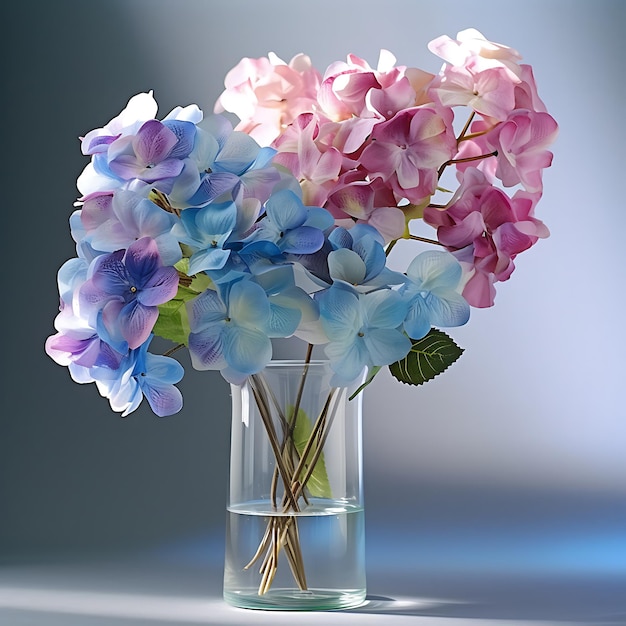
(296, 362)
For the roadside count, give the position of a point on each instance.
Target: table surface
(457, 581)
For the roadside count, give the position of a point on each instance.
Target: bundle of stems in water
(293, 469)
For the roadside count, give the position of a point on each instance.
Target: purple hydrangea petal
(154, 142)
(135, 321)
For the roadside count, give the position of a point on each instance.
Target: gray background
(527, 431)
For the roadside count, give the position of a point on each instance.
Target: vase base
(297, 600)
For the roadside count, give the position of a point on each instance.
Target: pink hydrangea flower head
(365, 202)
(526, 96)
(420, 82)
(478, 73)
(522, 142)
(314, 163)
(407, 151)
(354, 89)
(267, 94)
(344, 87)
(490, 92)
(475, 148)
(486, 229)
(472, 50)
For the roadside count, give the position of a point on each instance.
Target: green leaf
(173, 322)
(428, 357)
(200, 282)
(318, 483)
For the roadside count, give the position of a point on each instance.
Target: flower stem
(462, 136)
(295, 470)
(390, 247)
(425, 240)
(162, 201)
(290, 423)
(466, 160)
(320, 433)
(265, 413)
(174, 349)
(473, 158)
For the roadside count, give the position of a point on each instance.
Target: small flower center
(133, 289)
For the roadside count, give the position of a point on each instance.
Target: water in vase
(330, 537)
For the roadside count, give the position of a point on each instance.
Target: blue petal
(346, 265)
(276, 279)
(340, 312)
(237, 154)
(435, 269)
(72, 273)
(108, 276)
(213, 186)
(284, 319)
(216, 219)
(248, 304)
(264, 158)
(340, 237)
(451, 310)
(186, 134)
(296, 298)
(189, 233)
(359, 231)
(417, 322)
(164, 369)
(319, 218)
(163, 399)
(219, 127)
(246, 350)
(347, 360)
(373, 254)
(260, 251)
(386, 345)
(285, 210)
(302, 240)
(207, 260)
(156, 375)
(384, 308)
(206, 348)
(205, 310)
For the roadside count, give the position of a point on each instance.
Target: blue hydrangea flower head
(432, 293)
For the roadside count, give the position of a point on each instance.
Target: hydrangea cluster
(371, 145)
(222, 238)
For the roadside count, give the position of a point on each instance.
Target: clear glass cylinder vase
(295, 521)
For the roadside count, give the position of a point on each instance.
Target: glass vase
(295, 521)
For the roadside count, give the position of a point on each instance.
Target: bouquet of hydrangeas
(221, 239)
